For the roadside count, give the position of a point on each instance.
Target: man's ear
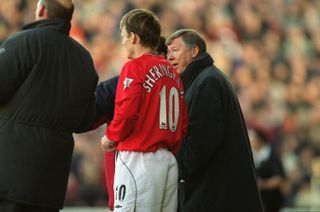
(194, 51)
(43, 11)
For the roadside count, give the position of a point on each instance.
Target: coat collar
(202, 61)
(59, 25)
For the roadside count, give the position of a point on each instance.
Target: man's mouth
(175, 65)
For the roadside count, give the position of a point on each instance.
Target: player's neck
(141, 50)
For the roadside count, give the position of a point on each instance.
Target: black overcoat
(47, 84)
(216, 170)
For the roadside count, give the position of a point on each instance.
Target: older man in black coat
(47, 84)
(216, 170)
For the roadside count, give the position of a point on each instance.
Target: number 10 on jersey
(172, 112)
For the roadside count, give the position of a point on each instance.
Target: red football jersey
(150, 110)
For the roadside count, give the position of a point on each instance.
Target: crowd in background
(270, 49)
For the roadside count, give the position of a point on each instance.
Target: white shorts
(146, 182)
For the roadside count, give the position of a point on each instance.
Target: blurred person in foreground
(47, 84)
(149, 121)
(105, 101)
(216, 170)
(269, 171)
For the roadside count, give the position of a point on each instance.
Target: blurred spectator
(269, 171)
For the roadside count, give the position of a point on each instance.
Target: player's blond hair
(143, 23)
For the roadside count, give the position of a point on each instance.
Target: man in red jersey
(105, 101)
(149, 121)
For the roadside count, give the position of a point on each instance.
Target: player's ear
(134, 38)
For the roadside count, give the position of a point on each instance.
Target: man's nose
(170, 57)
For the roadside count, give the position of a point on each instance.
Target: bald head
(61, 9)
(66, 3)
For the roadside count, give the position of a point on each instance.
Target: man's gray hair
(190, 37)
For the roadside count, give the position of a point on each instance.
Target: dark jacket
(215, 160)
(271, 167)
(47, 84)
(105, 101)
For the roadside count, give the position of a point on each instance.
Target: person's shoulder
(31, 32)
(211, 75)
(18, 39)
(132, 63)
(213, 71)
(142, 59)
(28, 35)
(209, 71)
(78, 45)
(214, 76)
(112, 82)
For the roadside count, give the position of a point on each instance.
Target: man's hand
(107, 145)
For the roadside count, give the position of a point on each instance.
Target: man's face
(179, 55)
(126, 43)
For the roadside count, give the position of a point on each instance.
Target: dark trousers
(10, 206)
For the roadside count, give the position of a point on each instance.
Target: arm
(14, 67)
(270, 183)
(105, 101)
(127, 105)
